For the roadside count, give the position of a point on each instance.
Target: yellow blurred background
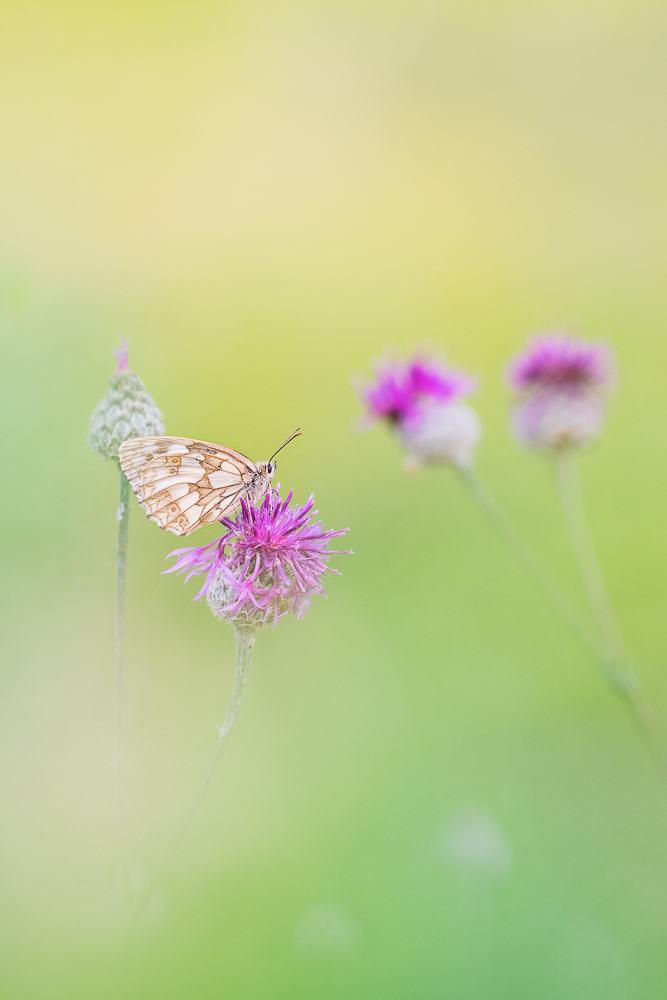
(430, 792)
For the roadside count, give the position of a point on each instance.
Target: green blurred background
(429, 793)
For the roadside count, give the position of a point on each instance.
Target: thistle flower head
(561, 383)
(401, 388)
(558, 361)
(422, 400)
(269, 562)
(126, 410)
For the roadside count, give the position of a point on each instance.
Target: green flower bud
(125, 411)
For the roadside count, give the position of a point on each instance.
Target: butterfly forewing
(183, 484)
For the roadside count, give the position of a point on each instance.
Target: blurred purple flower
(270, 562)
(561, 383)
(433, 380)
(401, 388)
(558, 361)
(421, 399)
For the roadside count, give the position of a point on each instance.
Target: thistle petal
(269, 563)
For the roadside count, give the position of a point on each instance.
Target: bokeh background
(430, 793)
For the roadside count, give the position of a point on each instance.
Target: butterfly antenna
(294, 434)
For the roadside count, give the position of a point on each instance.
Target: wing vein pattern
(182, 483)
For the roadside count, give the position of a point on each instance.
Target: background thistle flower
(421, 399)
(126, 410)
(561, 383)
(401, 389)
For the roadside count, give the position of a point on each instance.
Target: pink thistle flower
(391, 398)
(421, 399)
(561, 383)
(270, 562)
(431, 380)
(401, 388)
(558, 361)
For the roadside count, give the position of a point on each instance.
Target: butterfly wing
(183, 484)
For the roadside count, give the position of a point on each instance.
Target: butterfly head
(270, 466)
(266, 470)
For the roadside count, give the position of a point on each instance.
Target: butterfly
(183, 484)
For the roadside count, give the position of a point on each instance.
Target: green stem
(123, 517)
(244, 645)
(244, 639)
(610, 653)
(520, 548)
(582, 542)
(614, 663)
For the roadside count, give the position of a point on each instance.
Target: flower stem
(123, 517)
(614, 663)
(571, 500)
(244, 645)
(519, 546)
(244, 639)
(609, 653)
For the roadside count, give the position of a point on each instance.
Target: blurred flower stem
(244, 641)
(569, 489)
(123, 517)
(614, 660)
(608, 651)
(521, 549)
